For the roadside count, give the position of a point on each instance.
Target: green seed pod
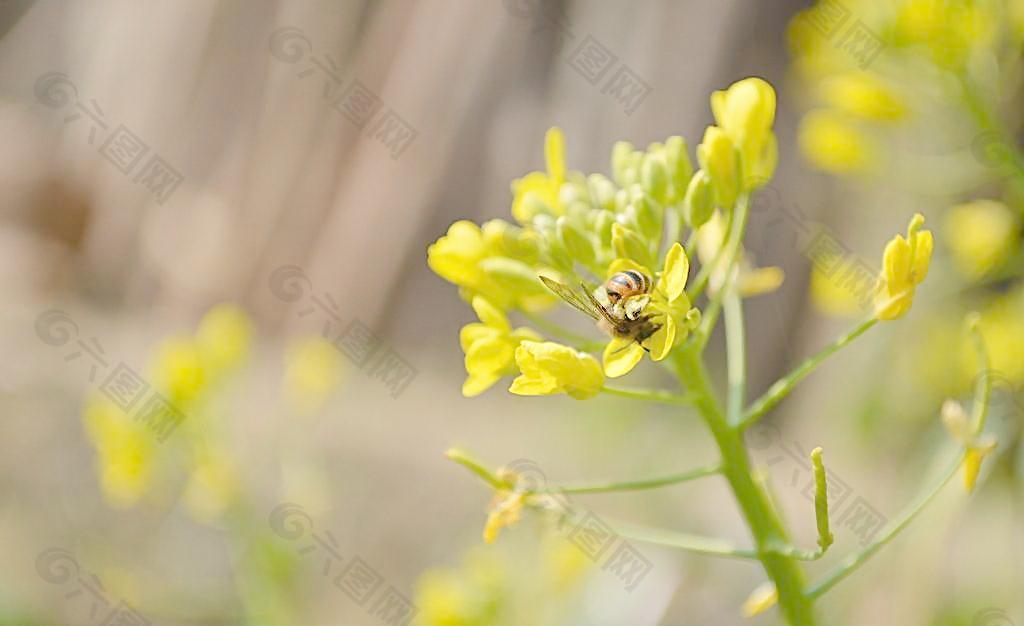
(699, 203)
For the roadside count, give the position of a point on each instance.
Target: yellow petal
(661, 342)
(471, 333)
(490, 356)
(490, 315)
(761, 599)
(760, 281)
(922, 255)
(623, 264)
(476, 384)
(620, 356)
(677, 267)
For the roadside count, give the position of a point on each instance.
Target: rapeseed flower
(905, 265)
(550, 368)
(490, 347)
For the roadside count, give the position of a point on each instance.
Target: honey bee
(624, 317)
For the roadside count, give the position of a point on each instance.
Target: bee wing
(566, 293)
(597, 305)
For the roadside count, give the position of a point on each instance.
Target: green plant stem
(765, 527)
(784, 385)
(732, 246)
(652, 395)
(704, 275)
(680, 541)
(850, 564)
(490, 477)
(735, 343)
(638, 485)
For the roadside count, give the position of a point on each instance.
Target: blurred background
(215, 218)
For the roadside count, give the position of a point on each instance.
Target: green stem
(679, 541)
(784, 385)
(704, 275)
(638, 485)
(765, 527)
(735, 343)
(652, 395)
(464, 459)
(732, 246)
(850, 564)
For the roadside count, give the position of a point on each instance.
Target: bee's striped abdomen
(625, 284)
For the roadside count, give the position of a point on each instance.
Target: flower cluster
(578, 231)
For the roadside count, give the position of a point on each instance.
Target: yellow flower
(463, 257)
(505, 510)
(223, 338)
(549, 368)
(863, 94)
(981, 234)
(746, 112)
(832, 297)
(831, 141)
(212, 486)
(669, 310)
(905, 265)
(751, 281)
(124, 451)
(717, 156)
(490, 347)
(537, 192)
(976, 447)
(312, 372)
(761, 599)
(179, 370)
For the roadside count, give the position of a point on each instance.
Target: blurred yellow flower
(751, 281)
(223, 338)
(976, 447)
(904, 266)
(313, 368)
(178, 370)
(863, 94)
(212, 485)
(490, 347)
(981, 234)
(538, 192)
(761, 599)
(505, 510)
(566, 564)
(124, 451)
(834, 143)
(550, 368)
(832, 297)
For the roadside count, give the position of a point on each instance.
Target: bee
(624, 317)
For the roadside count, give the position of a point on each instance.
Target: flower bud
(622, 163)
(718, 158)
(602, 191)
(680, 169)
(654, 176)
(629, 245)
(576, 243)
(699, 203)
(647, 215)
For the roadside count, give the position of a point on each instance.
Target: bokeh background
(295, 158)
